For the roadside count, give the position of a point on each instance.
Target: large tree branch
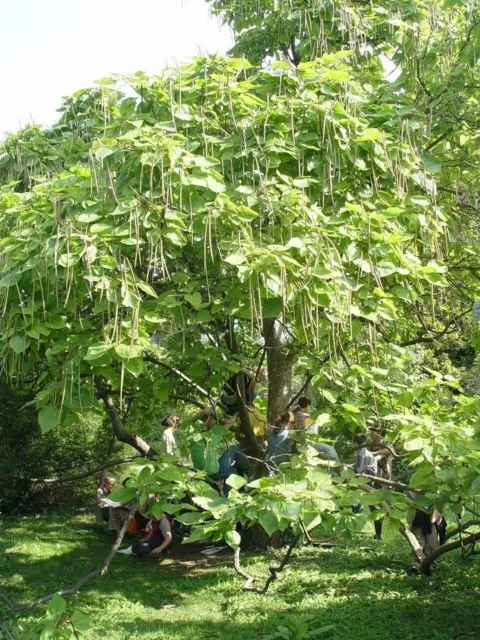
(427, 562)
(461, 528)
(94, 574)
(156, 361)
(122, 434)
(85, 474)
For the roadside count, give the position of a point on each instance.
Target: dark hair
(304, 402)
(168, 421)
(359, 438)
(281, 421)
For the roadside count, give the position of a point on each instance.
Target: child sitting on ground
(102, 509)
(159, 537)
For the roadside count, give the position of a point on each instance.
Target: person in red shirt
(159, 537)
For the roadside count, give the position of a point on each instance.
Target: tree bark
(279, 365)
(426, 565)
(122, 434)
(257, 538)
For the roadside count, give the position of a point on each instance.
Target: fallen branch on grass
(101, 571)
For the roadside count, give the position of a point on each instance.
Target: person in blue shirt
(279, 443)
(231, 462)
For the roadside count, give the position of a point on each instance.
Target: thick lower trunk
(279, 365)
(257, 538)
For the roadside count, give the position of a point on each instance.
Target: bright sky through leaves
(52, 48)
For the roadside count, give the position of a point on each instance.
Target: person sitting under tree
(159, 537)
(102, 509)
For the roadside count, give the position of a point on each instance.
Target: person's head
(376, 434)
(282, 421)
(109, 483)
(359, 440)
(171, 421)
(304, 403)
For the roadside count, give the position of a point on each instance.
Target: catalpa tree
(154, 245)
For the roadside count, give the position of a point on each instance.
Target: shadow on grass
(366, 594)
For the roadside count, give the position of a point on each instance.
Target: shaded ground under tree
(362, 589)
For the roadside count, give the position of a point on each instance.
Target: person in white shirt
(366, 462)
(168, 443)
(102, 509)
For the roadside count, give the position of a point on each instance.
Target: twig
(302, 389)
(390, 483)
(274, 571)
(7, 601)
(152, 359)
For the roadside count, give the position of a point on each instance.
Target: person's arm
(101, 499)
(384, 452)
(173, 446)
(166, 530)
(148, 536)
(201, 415)
(230, 422)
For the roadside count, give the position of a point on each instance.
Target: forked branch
(274, 571)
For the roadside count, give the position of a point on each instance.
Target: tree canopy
(166, 228)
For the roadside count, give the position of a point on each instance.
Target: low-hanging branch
(462, 528)
(98, 573)
(85, 474)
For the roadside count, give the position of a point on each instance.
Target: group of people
(278, 442)
(375, 458)
(157, 534)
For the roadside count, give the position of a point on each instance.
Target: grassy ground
(363, 591)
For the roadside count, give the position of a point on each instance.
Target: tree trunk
(279, 365)
(257, 538)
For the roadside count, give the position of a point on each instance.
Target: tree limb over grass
(98, 573)
(86, 474)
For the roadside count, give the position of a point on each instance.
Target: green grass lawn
(364, 592)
